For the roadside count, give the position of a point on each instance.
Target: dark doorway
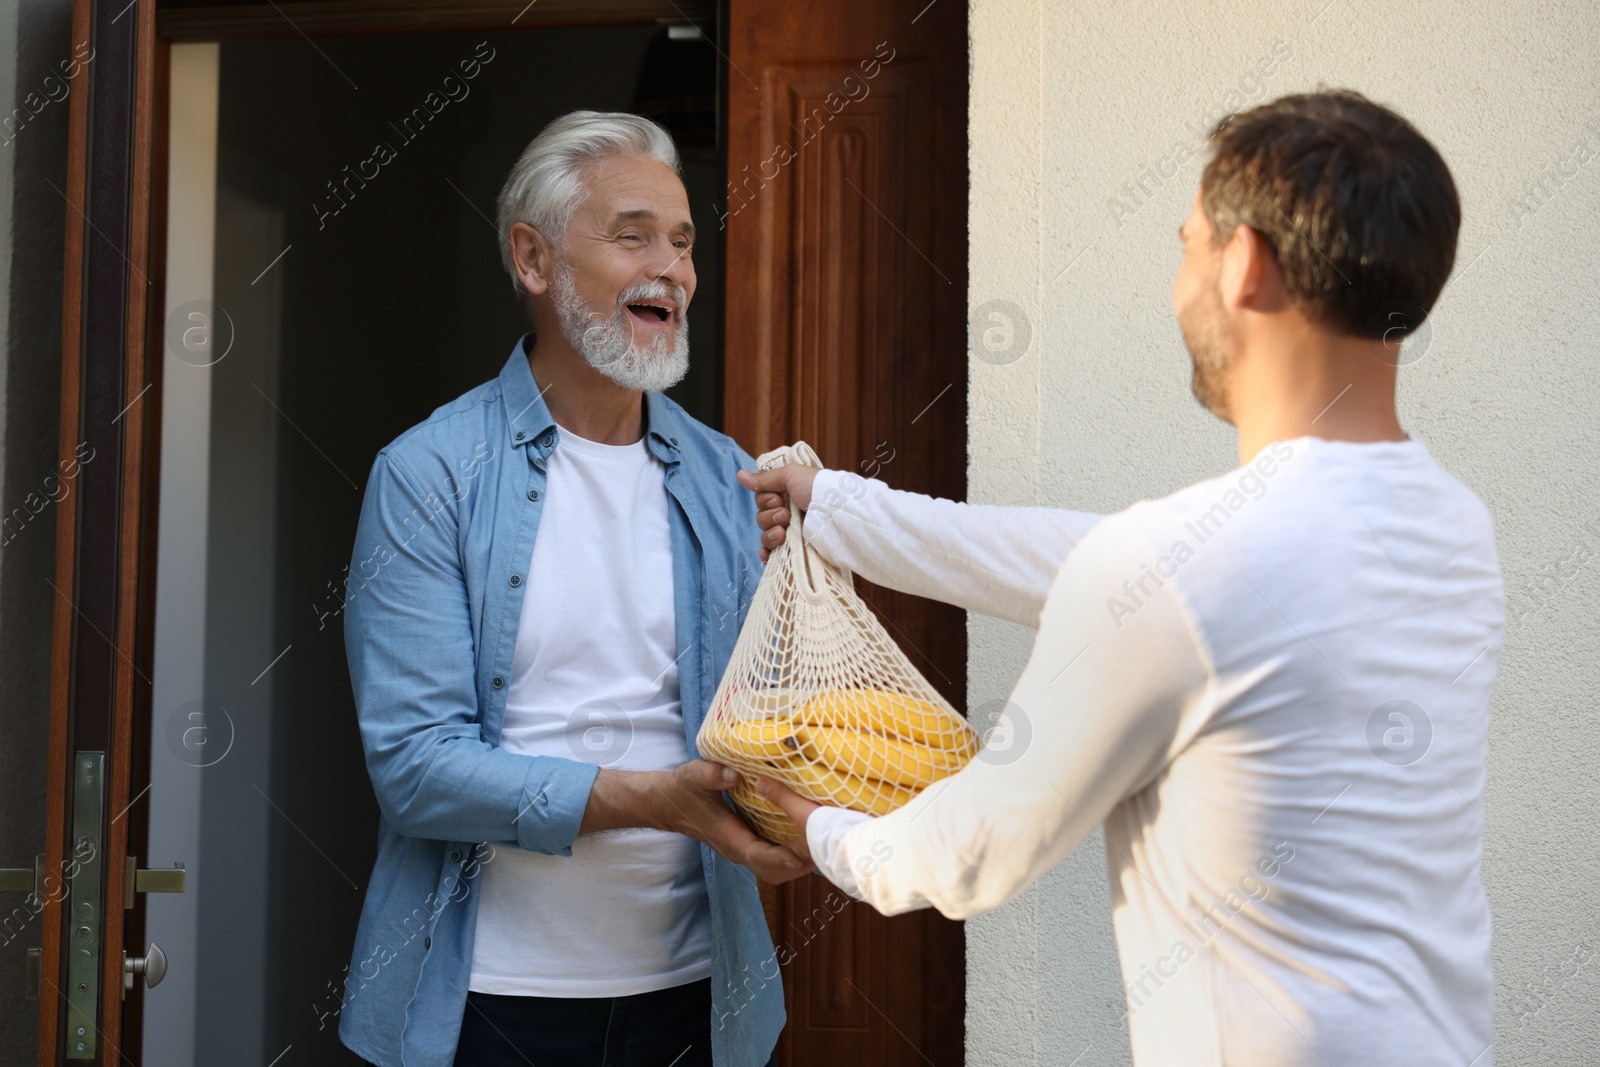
(356, 306)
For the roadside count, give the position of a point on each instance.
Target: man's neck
(580, 398)
(1313, 384)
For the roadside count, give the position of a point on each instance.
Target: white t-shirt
(595, 678)
(1272, 689)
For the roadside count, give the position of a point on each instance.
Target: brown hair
(1358, 207)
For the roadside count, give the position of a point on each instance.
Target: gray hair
(548, 184)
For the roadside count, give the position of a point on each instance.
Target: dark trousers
(662, 1028)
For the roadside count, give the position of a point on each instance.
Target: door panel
(846, 225)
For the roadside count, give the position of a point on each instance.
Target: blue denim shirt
(447, 528)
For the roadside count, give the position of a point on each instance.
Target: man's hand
(797, 807)
(694, 807)
(687, 800)
(772, 514)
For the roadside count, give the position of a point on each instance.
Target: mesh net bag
(819, 697)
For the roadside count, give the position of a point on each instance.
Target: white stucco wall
(1086, 125)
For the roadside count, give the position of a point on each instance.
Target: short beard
(1205, 332)
(606, 344)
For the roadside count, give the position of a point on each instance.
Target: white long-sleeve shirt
(1272, 688)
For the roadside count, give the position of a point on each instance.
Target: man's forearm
(1103, 699)
(687, 800)
(620, 799)
(995, 560)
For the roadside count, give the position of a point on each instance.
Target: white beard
(606, 344)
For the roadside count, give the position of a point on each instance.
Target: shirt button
(674, 441)
(516, 580)
(533, 494)
(427, 943)
(521, 434)
(497, 681)
(548, 440)
(455, 855)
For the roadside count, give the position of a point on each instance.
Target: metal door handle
(24, 879)
(153, 965)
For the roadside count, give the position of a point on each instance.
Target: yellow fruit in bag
(818, 696)
(827, 786)
(763, 738)
(779, 827)
(865, 754)
(874, 709)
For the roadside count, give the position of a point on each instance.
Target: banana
(864, 749)
(863, 754)
(757, 738)
(890, 713)
(768, 819)
(827, 786)
(821, 784)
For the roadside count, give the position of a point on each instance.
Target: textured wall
(1087, 125)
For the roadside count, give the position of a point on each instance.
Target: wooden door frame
(104, 308)
(236, 21)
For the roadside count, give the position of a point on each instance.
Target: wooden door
(846, 292)
(100, 659)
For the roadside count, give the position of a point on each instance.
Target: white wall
(1086, 125)
(180, 648)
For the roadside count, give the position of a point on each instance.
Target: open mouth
(651, 313)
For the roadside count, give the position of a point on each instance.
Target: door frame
(112, 336)
(102, 637)
(96, 640)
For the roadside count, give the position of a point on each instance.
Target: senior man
(550, 572)
(1271, 688)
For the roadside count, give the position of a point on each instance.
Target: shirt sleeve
(825, 834)
(409, 641)
(1114, 688)
(988, 558)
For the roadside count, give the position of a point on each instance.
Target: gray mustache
(653, 291)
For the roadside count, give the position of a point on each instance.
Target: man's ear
(533, 257)
(1249, 276)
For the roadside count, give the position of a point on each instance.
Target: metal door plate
(83, 951)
